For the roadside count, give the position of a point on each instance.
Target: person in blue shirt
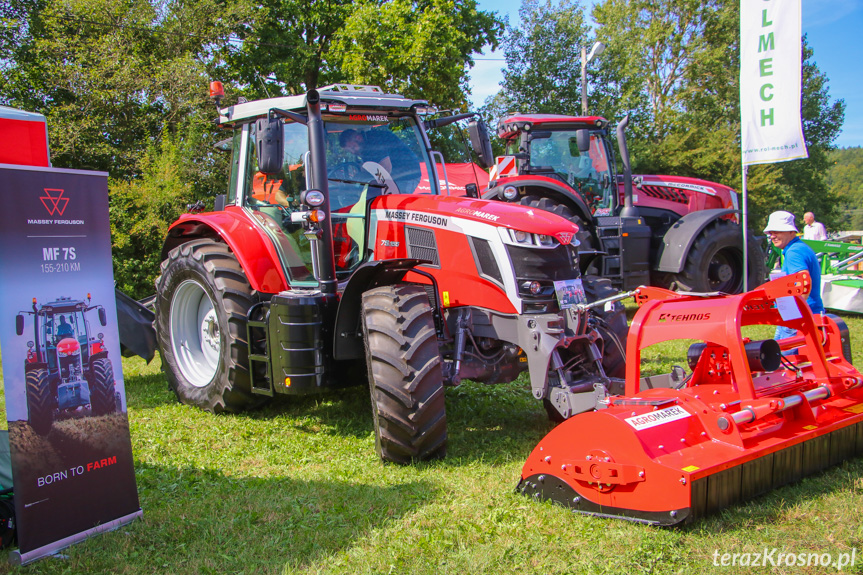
(796, 256)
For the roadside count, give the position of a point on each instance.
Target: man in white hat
(796, 257)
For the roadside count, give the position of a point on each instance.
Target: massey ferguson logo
(684, 317)
(54, 201)
(564, 237)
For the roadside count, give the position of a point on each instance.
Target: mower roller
(750, 417)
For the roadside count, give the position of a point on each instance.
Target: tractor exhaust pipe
(628, 209)
(318, 171)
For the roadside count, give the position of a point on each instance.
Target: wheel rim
(195, 334)
(722, 272)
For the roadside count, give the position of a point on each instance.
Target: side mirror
(470, 191)
(583, 139)
(103, 318)
(270, 145)
(19, 324)
(480, 142)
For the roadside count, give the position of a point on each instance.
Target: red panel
(23, 142)
(250, 244)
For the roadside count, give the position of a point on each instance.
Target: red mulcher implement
(746, 420)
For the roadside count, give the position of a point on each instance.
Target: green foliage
(845, 181)
(421, 49)
(141, 211)
(543, 69)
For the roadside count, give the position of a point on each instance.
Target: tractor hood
(439, 210)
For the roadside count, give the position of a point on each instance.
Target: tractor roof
(350, 95)
(63, 305)
(516, 123)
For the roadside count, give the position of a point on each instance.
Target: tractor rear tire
(405, 374)
(715, 261)
(202, 302)
(40, 403)
(586, 241)
(102, 398)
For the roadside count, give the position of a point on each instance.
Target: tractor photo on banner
(72, 467)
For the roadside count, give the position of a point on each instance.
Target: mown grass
(296, 488)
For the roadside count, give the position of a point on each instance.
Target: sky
(833, 29)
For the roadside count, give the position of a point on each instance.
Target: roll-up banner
(71, 451)
(770, 82)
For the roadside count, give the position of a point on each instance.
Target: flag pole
(745, 227)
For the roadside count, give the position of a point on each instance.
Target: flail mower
(751, 416)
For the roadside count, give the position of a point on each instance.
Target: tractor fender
(547, 187)
(347, 335)
(679, 239)
(95, 356)
(254, 250)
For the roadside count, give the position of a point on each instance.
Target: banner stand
(18, 558)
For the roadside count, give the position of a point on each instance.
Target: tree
(543, 65)
(674, 64)
(845, 181)
(419, 48)
(285, 47)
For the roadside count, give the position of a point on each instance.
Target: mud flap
(137, 336)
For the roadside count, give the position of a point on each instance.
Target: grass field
(297, 488)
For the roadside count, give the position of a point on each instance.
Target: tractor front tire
(40, 403)
(405, 374)
(611, 324)
(202, 302)
(102, 398)
(715, 261)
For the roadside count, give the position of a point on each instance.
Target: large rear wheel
(715, 261)
(202, 302)
(405, 374)
(40, 403)
(102, 399)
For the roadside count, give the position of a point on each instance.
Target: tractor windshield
(58, 326)
(367, 155)
(557, 154)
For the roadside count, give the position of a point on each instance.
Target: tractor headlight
(510, 192)
(521, 237)
(313, 198)
(545, 240)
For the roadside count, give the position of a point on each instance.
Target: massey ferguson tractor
(334, 259)
(669, 231)
(67, 366)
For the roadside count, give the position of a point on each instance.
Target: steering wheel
(347, 171)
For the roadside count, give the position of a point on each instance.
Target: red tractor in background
(334, 259)
(669, 231)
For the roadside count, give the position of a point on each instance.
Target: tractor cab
(373, 146)
(574, 151)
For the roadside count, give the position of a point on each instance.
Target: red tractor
(67, 366)
(670, 231)
(333, 259)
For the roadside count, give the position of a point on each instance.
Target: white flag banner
(770, 64)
